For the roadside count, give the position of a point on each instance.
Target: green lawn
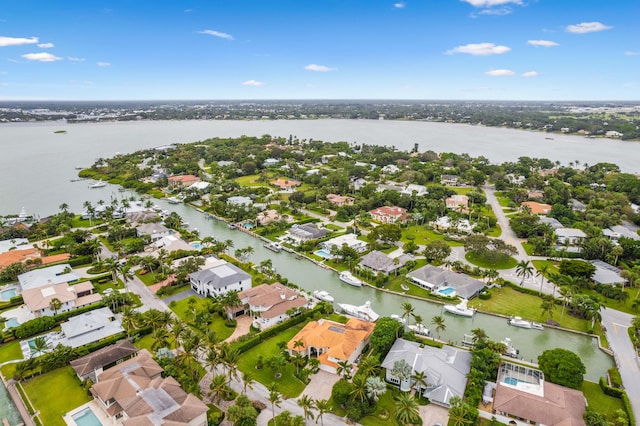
(8, 370)
(552, 268)
(250, 180)
(495, 232)
(288, 384)
(10, 351)
(182, 310)
(78, 222)
(148, 279)
(528, 248)
(384, 412)
(598, 401)
(461, 190)
(54, 394)
(507, 301)
(508, 264)
(504, 201)
(423, 235)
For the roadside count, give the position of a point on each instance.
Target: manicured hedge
(608, 390)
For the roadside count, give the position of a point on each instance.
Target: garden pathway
(243, 326)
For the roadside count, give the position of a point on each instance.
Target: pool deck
(22, 314)
(102, 417)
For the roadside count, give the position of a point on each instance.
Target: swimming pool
(511, 381)
(7, 294)
(323, 253)
(447, 291)
(196, 245)
(11, 323)
(247, 225)
(86, 417)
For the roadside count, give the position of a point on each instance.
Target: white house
(445, 223)
(154, 230)
(390, 169)
(239, 201)
(351, 240)
(411, 189)
(55, 274)
(570, 236)
(269, 305)
(90, 327)
(219, 280)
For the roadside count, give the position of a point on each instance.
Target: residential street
(617, 324)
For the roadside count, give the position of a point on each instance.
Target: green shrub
(484, 295)
(608, 390)
(615, 378)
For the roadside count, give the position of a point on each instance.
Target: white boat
(347, 277)
(511, 351)
(460, 309)
(363, 312)
(173, 200)
(97, 184)
(323, 295)
(519, 322)
(419, 329)
(398, 318)
(274, 246)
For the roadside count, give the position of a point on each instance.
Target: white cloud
(41, 57)
(253, 83)
(499, 73)
(491, 3)
(631, 53)
(103, 64)
(587, 27)
(530, 74)
(217, 34)
(45, 45)
(479, 49)
(17, 41)
(400, 5)
(74, 59)
(503, 11)
(319, 68)
(543, 43)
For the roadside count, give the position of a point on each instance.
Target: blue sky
(320, 49)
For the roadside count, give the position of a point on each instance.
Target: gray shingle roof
(465, 286)
(220, 276)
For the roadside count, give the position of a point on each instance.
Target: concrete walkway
(617, 324)
(17, 400)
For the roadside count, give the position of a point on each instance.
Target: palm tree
(407, 311)
(458, 412)
(370, 366)
(480, 336)
(402, 371)
(542, 272)
(419, 380)
(322, 405)
(548, 306)
(344, 369)
(375, 388)
(524, 270)
(275, 400)
(616, 252)
(54, 305)
(359, 391)
(566, 293)
(248, 380)
(277, 363)
(307, 405)
(438, 322)
(160, 337)
(407, 409)
(218, 387)
(40, 346)
(129, 319)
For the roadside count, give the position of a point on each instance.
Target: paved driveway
(321, 385)
(432, 414)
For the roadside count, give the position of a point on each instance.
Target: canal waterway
(8, 409)
(37, 166)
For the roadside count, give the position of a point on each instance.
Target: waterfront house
(55, 274)
(239, 201)
(435, 279)
(524, 397)
(90, 327)
(182, 181)
(351, 240)
(269, 304)
(389, 214)
(332, 342)
(340, 200)
(134, 393)
(220, 279)
(298, 234)
(38, 299)
(155, 231)
(445, 368)
(92, 365)
(377, 261)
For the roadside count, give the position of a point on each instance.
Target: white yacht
(347, 277)
(460, 309)
(363, 312)
(323, 295)
(511, 351)
(174, 200)
(519, 322)
(419, 329)
(398, 318)
(274, 246)
(97, 184)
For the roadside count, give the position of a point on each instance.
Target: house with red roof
(389, 214)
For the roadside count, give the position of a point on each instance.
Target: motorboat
(323, 295)
(511, 351)
(97, 184)
(231, 225)
(460, 309)
(274, 246)
(519, 322)
(398, 318)
(420, 329)
(173, 200)
(363, 312)
(347, 277)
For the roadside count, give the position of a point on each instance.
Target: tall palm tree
(480, 336)
(524, 270)
(438, 322)
(370, 366)
(401, 370)
(344, 369)
(248, 379)
(359, 391)
(566, 293)
(307, 405)
(542, 272)
(218, 387)
(548, 306)
(419, 379)
(40, 346)
(54, 305)
(275, 399)
(322, 405)
(407, 409)
(407, 311)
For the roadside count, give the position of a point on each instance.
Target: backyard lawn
(600, 402)
(148, 279)
(507, 264)
(10, 351)
(251, 180)
(507, 301)
(423, 235)
(181, 309)
(54, 394)
(288, 384)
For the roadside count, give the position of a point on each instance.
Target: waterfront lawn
(45, 393)
(181, 309)
(598, 401)
(423, 235)
(10, 351)
(78, 222)
(509, 302)
(288, 384)
(507, 264)
(8, 370)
